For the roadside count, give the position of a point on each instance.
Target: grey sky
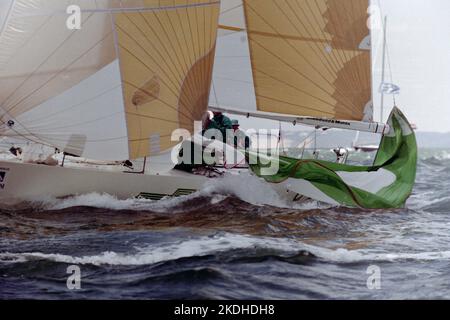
(419, 48)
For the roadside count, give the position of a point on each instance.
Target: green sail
(397, 154)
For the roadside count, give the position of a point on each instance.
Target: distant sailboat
(117, 88)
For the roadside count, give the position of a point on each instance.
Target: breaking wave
(224, 243)
(249, 189)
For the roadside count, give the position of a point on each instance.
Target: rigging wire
(215, 92)
(281, 146)
(388, 57)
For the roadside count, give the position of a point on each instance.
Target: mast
(383, 72)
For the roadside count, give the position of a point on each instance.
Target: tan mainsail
(133, 73)
(310, 57)
(166, 62)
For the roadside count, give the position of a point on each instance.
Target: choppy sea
(233, 240)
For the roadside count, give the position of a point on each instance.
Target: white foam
(248, 188)
(343, 255)
(440, 155)
(208, 245)
(443, 155)
(95, 200)
(423, 200)
(107, 201)
(251, 189)
(148, 255)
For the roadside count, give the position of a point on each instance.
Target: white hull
(32, 181)
(27, 182)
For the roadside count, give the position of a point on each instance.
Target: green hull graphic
(397, 155)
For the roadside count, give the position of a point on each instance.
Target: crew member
(241, 140)
(220, 122)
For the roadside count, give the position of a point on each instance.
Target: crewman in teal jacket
(221, 123)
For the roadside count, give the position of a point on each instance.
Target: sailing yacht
(135, 71)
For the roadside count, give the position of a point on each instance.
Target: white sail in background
(113, 90)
